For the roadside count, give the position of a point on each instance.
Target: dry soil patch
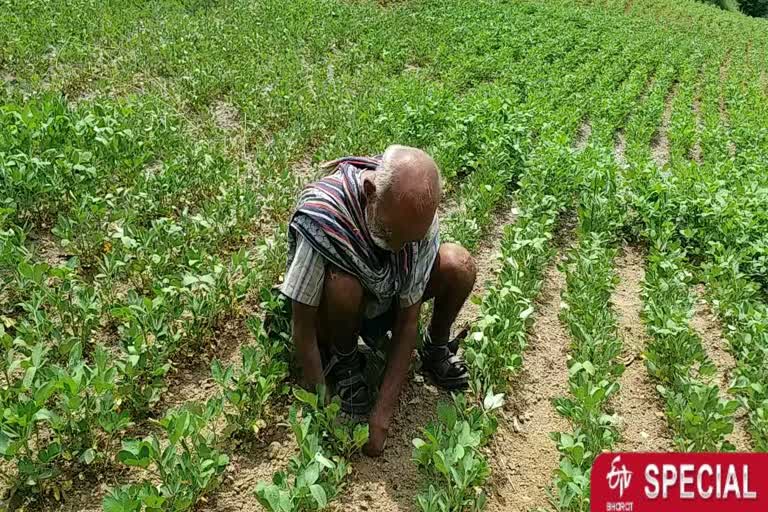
(710, 330)
(638, 403)
(522, 463)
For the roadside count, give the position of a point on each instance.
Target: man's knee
(458, 266)
(342, 292)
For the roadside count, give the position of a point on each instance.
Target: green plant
(185, 463)
(247, 389)
(312, 478)
(572, 474)
(55, 418)
(86, 412)
(148, 338)
(24, 412)
(450, 455)
(593, 369)
(338, 436)
(316, 474)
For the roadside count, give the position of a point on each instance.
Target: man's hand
(377, 439)
(404, 337)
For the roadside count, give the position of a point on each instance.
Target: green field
(605, 160)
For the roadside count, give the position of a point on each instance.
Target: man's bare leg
(450, 283)
(339, 320)
(340, 311)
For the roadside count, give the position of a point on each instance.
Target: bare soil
(523, 461)
(638, 403)
(87, 494)
(392, 481)
(447, 207)
(305, 171)
(582, 138)
(620, 149)
(247, 468)
(226, 116)
(710, 330)
(193, 381)
(660, 142)
(49, 250)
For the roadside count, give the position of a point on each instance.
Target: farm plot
(150, 155)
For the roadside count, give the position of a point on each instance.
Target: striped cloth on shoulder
(330, 217)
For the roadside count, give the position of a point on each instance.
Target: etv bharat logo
(619, 477)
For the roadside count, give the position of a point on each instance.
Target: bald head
(403, 194)
(411, 176)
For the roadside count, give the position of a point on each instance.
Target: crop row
(593, 367)
(449, 454)
(699, 418)
(497, 342)
(745, 322)
(733, 247)
(686, 221)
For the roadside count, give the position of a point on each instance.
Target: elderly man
(364, 254)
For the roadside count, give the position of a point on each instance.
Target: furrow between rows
(638, 405)
(524, 455)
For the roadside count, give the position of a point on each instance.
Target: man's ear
(369, 187)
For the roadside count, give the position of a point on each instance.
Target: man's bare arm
(404, 336)
(305, 339)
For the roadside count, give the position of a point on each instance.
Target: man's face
(393, 223)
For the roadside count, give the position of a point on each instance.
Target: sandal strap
(331, 364)
(449, 370)
(353, 380)
(438, 353)
(355, 359)
(350, 382)
(443, 356)
(453, 344)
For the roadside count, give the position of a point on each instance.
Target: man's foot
(347, 373)
(448, 370)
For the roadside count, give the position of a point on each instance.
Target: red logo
(680, 482)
